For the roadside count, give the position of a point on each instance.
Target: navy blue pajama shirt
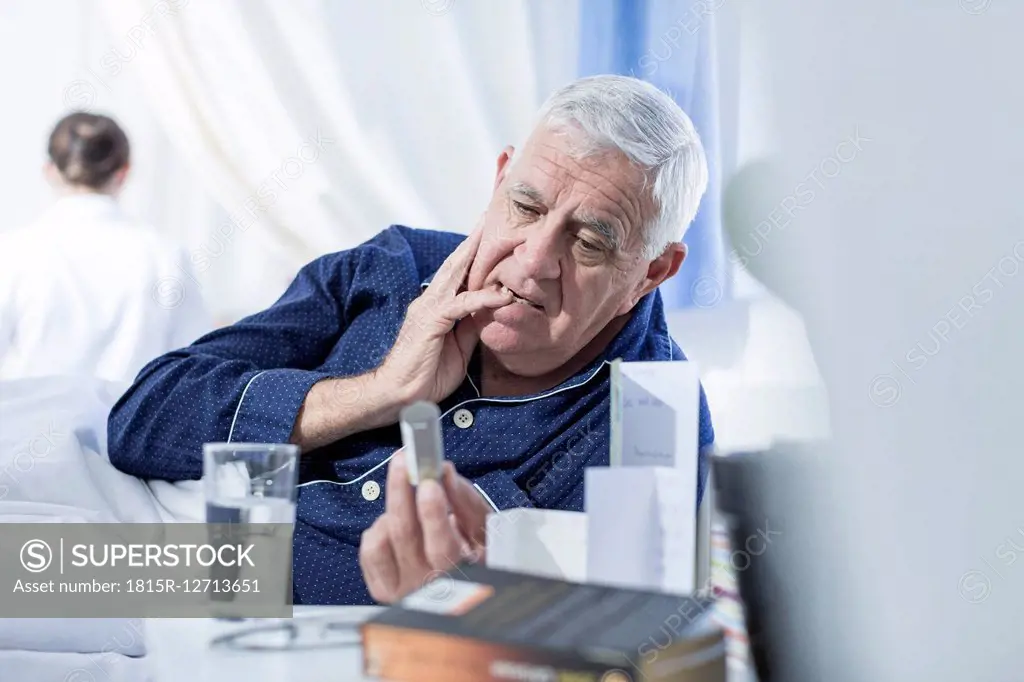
(246, 383)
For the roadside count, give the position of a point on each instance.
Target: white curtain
(315, 124)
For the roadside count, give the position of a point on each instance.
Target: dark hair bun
(88, 149)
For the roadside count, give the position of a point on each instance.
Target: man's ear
(504, 164)
(658, 270)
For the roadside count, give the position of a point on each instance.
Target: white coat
(86, 291)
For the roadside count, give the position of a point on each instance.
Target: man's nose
(538, 253)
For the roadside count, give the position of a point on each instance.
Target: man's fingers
(443, 296)
(453, 271)
(439, 315)
(468, 505)
(377, 561)
(403, 526)
(442, 546)
(469, 302)
(398, 474)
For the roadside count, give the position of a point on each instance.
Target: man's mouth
(516, 298)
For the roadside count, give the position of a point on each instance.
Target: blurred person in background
(84, 290)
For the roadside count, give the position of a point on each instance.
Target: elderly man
(510, 330)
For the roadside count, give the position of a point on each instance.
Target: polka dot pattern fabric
(246, 383)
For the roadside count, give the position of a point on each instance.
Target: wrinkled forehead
(563, 169)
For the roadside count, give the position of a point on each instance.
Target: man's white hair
(645, 124)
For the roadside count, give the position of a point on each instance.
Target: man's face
(564, 235)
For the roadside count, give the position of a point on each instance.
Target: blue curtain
(670, 43)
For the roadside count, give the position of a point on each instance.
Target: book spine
(705, 664)
(407, 655)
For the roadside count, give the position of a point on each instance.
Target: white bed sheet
(53, 459)
(54, 469)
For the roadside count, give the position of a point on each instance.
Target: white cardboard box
(544, 542)
(642, 510)
(641, 527)
(655, 414)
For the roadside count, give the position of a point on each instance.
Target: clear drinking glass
(250, 482)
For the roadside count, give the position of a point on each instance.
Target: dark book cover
(474, 624)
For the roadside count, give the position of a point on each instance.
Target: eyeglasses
(316, 631)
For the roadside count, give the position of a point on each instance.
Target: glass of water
(250, 482)
(251, 491)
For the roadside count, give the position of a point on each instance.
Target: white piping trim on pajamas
(245, 390)
(487, 497)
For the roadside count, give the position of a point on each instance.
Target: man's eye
(526, 210)
(590, 248)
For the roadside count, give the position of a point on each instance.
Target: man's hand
(430, 355)
(427, 361)
(423, 531)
